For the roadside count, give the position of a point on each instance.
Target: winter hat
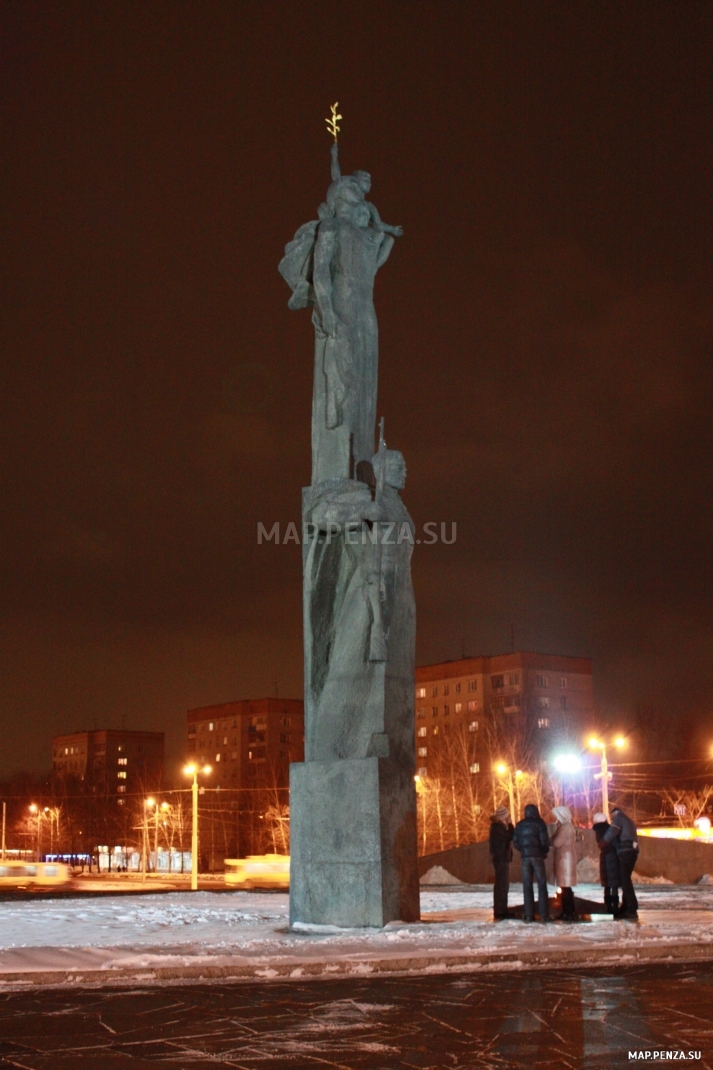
(502, 813)
(599, 818)
(562, 814)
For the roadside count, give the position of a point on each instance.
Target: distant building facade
(110, 762)
(249, 745)
(247, 741)
(546, 699)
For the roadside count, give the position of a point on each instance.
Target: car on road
(27, 875)
(258, 871)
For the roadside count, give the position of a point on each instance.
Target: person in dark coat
(622, 835)
(609, 875)
(533, 843)
(500, 839)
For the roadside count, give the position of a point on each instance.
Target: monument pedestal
(352, 843)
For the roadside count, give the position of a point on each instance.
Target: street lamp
(148, 803)
(53, 815)
(566, 764)
(193, 770)
(502, 769)
(34, 809)
(605, 775)
(159, 809)
(152, 803)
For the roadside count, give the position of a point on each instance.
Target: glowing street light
(40, 812)
(148, 803)
(194, 770)
(605, 775)
(152, 804)
(567, 763)
(34, 809)
(504, 770)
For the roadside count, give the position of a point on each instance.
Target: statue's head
(363, 181)
(348, 204)
(344, 191)
(394, 468)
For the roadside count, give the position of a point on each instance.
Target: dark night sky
(545, 340)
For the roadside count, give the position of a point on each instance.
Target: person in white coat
(565, 859)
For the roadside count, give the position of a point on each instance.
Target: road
(555, 1019)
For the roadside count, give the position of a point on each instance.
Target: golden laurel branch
(333, 121)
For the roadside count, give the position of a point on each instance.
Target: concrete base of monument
(353, 854)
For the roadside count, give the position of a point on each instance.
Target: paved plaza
(556, 1019)
(209, 980)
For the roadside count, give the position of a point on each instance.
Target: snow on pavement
(185, 927)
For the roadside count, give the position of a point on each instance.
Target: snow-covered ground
(183, 928)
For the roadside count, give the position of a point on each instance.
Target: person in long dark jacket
(622, 834)
(609, 875)
(500, 839)
(533, 843)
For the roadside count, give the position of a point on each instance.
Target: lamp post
(193, 770)
(34, 809)
(501, 769)
(162, 808)
(605, 775)
(152, 804)
(148, 803)
(50, 814)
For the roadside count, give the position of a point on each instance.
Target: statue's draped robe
(346, 259)
(344, 690)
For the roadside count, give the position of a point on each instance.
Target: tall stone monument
(352, 801)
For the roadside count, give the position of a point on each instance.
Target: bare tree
(689, 805)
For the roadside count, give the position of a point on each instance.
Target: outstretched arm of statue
(378, 225)
(336, 170)
(322, 277)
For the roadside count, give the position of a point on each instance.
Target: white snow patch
(438, 875)
(251, 929)
(639, 878)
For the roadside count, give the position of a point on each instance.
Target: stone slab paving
(555, 1019)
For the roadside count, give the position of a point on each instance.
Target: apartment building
(245, 740)
(545, 698)
(249, 745)
(110, 762)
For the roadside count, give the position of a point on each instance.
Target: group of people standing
(618, 851)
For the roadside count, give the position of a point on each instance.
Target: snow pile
(587, 871)
(638, 878)
(707, 878)
(438, 875)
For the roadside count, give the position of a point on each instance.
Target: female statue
(332, 263)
